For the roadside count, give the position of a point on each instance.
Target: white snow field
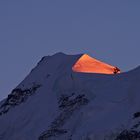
(55, 103)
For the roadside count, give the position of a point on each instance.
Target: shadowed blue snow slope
(55, 103)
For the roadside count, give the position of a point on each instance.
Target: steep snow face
(55, 103)
(88, 64)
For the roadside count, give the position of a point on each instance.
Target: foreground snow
(55, 103)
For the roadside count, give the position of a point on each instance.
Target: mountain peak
(58, 101)
(88, 64)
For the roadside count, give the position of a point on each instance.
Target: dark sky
(29, 29)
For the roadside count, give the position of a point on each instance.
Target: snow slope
(55, 103)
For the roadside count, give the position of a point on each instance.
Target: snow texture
(55, 103)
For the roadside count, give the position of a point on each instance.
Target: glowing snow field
(88, 64)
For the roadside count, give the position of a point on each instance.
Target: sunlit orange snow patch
(88, 64)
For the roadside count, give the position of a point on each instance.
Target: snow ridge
(55, 103)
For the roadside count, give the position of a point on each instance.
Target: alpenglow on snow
(73, 97)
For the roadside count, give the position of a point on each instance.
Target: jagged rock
(136, 115)
(136, 125)
(69, 106)
(17, 97)
(65, 101)
(52, 132)
(128, 135)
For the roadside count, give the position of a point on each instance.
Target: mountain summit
(88, 64)
(73, 97)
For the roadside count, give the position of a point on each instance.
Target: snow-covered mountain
(56, 103)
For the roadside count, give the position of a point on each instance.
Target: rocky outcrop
(68, 105)
(128, 135)
(17, 97)
(133, 133)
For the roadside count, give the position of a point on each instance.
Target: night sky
(30, 29)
